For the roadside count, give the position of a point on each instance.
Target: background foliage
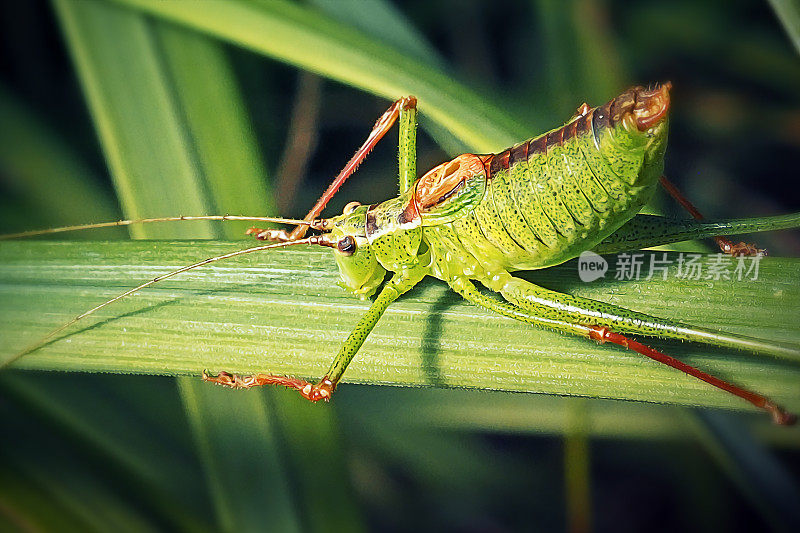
(135, 107)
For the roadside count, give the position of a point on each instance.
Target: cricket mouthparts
(651, 106)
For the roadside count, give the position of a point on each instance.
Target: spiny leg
(779, 414)
(726, 245)
(646, 231)
(407, 145)
(406, 161)
(323, 389)
(604, 334)
(382, 125)
(571, 308)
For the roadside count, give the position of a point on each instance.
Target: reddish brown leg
(779, 415)
(322, 390)
(726, 245)
(383, 124)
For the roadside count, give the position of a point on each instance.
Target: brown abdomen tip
(651, 105)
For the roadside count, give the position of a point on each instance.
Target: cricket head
(359, 269)
(370, 240)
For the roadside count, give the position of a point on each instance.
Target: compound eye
(352, 206)
(347, 245)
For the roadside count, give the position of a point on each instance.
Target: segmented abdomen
(552, 197)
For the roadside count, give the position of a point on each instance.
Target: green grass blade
(57, 472)
(217, 122)
(135, 113)
(24, 506)
(220, 151)
(309, 40)
(602, 72)
(382, 20)
(239, 446)
(167, 157)
(788, 12)
(132, 428)
(253, 314)
(577, 477)
(316, 457)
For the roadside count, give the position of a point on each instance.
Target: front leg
(405, 109)
(323, 389)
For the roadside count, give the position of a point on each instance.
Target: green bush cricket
(482, 217)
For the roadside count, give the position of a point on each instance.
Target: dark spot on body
(372, 223)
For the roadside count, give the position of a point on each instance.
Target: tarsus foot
(779, 414)
(738, 249)
(274, 235)
(312, 392)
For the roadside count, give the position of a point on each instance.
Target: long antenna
(34, 233)
(315, 239)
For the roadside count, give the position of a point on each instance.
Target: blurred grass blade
(155, 159)
(25, 506)
(760, 476)
(45, 174)
(58, 472)
(136, 115)
(309, 40)
(150, 455)
(381, 19)
(577, 477)
(582, 64)
(217, 122)
(237, 440)
(252, 314)
(554, 32)
(219, 147)
(788, 12)
(315, 455)
(232, 165)
(599, 59)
